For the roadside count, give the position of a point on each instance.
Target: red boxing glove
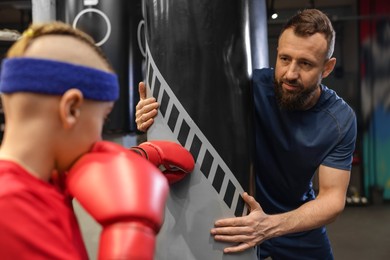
(172, 158)
(126, 194)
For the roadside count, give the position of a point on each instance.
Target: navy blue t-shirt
(291, 145)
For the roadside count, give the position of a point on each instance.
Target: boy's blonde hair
(53, 28)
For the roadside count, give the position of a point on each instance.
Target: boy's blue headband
(55, 78)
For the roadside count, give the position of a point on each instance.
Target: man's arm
(330, 202)
(256, 227)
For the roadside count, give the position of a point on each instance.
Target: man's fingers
(231, 231)
(142, 90)
(144, 116)
(146, 111)
(252, 203)
(235, 249)
(243, 242)
(230, 222)
(145, 106)
(145, 125)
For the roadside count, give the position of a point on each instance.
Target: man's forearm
(310, 215)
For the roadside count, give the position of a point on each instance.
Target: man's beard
(293, 100)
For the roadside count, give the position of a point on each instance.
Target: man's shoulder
(335, 104)
(264, 75)
(339, 111)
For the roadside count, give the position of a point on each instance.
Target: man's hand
(247, 231)
(145, 110)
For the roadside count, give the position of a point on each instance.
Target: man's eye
(283, 59)
(306, 64)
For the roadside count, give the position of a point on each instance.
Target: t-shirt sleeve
(29, 230)
(341, 155)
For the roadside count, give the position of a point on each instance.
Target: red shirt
(37, 220)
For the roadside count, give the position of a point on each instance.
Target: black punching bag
(198, 67)
(113, 25)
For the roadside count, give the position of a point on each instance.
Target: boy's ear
(70, 104)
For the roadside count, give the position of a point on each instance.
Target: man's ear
(70, 104)
(329, 66)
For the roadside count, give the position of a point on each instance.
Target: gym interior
(361, 77)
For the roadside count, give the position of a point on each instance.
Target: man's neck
(314, 99)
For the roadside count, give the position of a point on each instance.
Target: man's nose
(292, 72)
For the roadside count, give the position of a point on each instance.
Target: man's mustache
(294, 83)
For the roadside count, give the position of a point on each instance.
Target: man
(57, 90)
(301, 126)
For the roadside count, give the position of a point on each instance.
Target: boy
(57, 89)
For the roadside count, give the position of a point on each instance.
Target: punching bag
(113, 26)
(198, 66)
